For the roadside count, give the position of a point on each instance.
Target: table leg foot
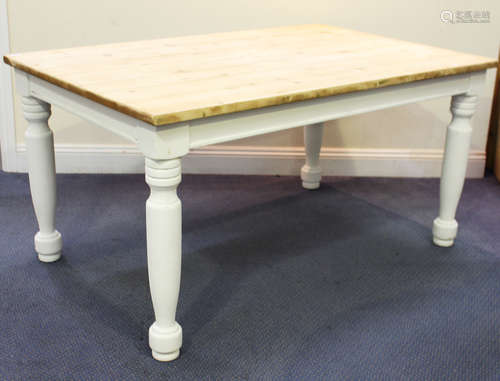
(48, 246)
(166, 356)
(165, 343)
(444, 232)
(311, 177)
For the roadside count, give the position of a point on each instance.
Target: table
(171, 95)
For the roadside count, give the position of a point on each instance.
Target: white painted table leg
(42, 176)
(454, 168)
(311, 171)
(163, 227)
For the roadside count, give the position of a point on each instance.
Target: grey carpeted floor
(278, 282)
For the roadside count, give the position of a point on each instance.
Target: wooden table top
(178, 79)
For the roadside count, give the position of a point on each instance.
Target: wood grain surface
(178, 79)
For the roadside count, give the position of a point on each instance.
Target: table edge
(193, 114)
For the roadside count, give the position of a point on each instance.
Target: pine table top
(178, 79)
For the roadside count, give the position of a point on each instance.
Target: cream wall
(48, 24)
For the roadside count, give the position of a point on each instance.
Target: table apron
(219, 129)
(175, 140)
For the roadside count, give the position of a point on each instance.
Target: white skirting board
(247, 160)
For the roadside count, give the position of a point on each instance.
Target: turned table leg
(454, 167)
(42, 177)
(163, 228)
(311, 171)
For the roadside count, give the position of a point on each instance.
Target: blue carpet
(278, 283)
